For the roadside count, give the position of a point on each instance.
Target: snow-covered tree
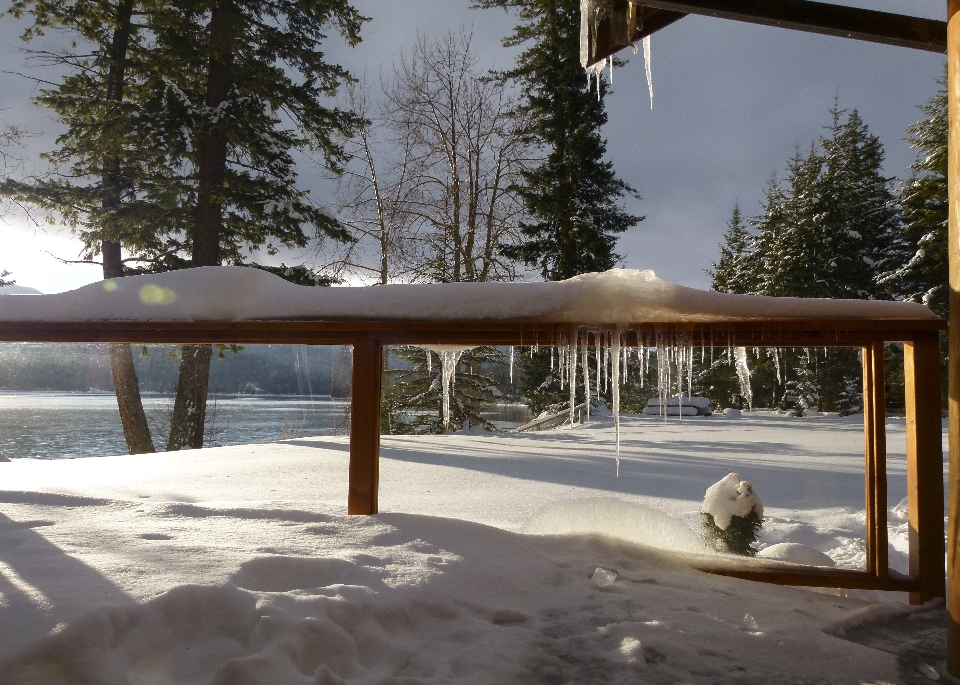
(925, 275)
(734, 273)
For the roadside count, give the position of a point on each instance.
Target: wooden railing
(923, 412)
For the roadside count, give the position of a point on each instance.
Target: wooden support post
(875, 452)
(953, 174)
(921, 370)
(365, 428)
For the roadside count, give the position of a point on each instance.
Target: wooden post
(921, 370)
(365, 428)
(953, 174)
(875, 455)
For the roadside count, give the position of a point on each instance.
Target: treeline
(252, 369)
(834, 226)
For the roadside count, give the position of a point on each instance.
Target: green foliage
(4, 280)
(412, 396)
(740, 537)
(925, 275)
(735, 272)
(573, 196)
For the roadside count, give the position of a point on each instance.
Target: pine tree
(734, 272)
(925, 276)
(241, 85)
(3, 279)
(573, 196)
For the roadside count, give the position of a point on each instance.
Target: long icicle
(572, 373)
(586, 371)
(615, 383)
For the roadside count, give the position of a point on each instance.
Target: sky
(732, 102)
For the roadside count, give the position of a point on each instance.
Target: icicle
(429, 362)
(449, 357)
(596, 344)
(611, 71)
(511, 365)
(615, 382)
(743, 374)
(776, 363)
(572, 373)
(586, 371)
(607, 353)
(646, 62)
(551, 357)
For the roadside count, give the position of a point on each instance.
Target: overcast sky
(731, 103)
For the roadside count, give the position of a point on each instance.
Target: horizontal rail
(819, 577)
(759, 333)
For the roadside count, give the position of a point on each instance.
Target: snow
(796, 553)
(499, 558)
(618, 296)
(728, 497)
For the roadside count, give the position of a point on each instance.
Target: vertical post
(875, 457)
(953, 174)
(365, 428)
(921, 370)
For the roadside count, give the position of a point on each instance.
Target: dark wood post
(953, 174)
(875, 452)
(921, 370)
(365, 427)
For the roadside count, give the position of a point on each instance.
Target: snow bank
(796, 553)
(730, 497)
(237, 293)
(616, 519)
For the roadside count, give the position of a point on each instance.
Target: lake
(59, 425)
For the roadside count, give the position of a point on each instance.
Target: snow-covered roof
(222, 293)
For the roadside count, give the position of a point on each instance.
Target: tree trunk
(189, 410)
(125, 381)
(190, 407)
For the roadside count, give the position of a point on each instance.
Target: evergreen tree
(573, 196)
(240, 85)
(3, 279)
(734, 273)
(925, 276)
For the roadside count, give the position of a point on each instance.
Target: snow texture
(730, 497)
(618, 296)
(238, 566)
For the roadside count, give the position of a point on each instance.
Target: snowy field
(237, 565)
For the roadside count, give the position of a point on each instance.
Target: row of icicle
(675, 354)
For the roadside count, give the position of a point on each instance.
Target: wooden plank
(921, 367)
(953, 527)
(811, 577)
(365, 427)
(823, 18)
(749, 333)
(875, 457)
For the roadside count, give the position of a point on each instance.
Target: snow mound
(224, 293)
(616, 518)
(795, 553)
(730, 497)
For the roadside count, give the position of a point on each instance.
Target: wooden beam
(953, 174)
(365, 427)
(815, 577)
(921, 370)
(823, 18)
(747, 333)
(605, 37)
(875, 453)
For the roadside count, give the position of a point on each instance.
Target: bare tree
(468, 154)
(375, 198)
(431, 190)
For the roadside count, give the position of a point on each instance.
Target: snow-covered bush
(732, 516)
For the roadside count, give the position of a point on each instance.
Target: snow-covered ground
(498, 558)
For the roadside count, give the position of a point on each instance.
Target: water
(51, 425)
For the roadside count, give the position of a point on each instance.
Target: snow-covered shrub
(732, 516)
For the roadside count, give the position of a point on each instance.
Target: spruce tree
(925, 275)
(240, 86)
(734, 272)
(573, 196)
